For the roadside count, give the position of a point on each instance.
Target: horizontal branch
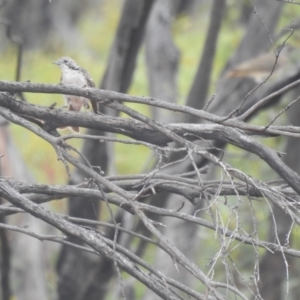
(188, 188)
(158, 133)
(83, 192)
(105, 96)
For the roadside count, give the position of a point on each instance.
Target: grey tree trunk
(227, 97)
(230, 93)
(28, 255)
(92, 275)
(198, 93)
(273, 272)
(162, 57)
(129, 36)
(182, 234)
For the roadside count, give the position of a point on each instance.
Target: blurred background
(85, 32)
(191, 44)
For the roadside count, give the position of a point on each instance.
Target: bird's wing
(90, 83)
(89, 79)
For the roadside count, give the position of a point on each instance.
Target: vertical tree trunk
(182, 234)
(273, 272)
(81, 275)
(198, 93)
(229, 92)
(4, 241)
(129, 36)
(26, 253)
(162, 57)
(221, 105)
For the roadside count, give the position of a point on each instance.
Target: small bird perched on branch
(260, 67)
(72, 74)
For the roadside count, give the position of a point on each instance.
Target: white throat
(72, 77)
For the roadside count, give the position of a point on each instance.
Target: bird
(260, 67)
(73, 75)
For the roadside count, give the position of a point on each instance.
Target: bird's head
(66, 61)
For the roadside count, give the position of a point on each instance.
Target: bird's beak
(56, 62)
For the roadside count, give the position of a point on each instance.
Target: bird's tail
(73, 128)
